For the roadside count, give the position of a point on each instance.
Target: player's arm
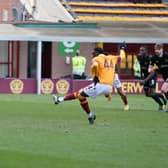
(148, 78)
(122, 54)
(94, 71)
(153, 71)
(120, 57)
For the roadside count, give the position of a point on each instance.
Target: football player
(149, 66)
(103, 73)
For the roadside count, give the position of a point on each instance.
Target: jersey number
(108, 64)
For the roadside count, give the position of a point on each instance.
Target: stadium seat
(117, 10)
(120, 18)
(122, 12)
(116, 5)
(130, 61)
(123, 64)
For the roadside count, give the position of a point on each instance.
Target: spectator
(137, 69)
(78, 66)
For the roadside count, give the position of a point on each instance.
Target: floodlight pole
(39, 63)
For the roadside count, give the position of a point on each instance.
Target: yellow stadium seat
(130, 61)
(116, 5)
(123, 63)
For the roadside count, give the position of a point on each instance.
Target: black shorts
(150, 84)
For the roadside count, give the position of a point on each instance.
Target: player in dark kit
(160, 63)
(150, 85)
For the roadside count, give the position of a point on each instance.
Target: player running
(103, 73)
(159, 62)
(117, 84)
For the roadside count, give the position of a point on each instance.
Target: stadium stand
(106, 10)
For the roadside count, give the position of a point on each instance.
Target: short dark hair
(159, 45)
(144, 47)
(99, 50)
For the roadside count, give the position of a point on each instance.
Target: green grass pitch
(35, 133)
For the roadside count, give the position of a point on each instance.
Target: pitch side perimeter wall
(61, 86)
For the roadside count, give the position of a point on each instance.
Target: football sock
(70, 96)
(61, 99)
(85, 105)
(156, 98)
(83, 101)
(90, 114)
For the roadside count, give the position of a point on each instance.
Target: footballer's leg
(81, 96)
(164, 90)
(124, 98)
(70, 96)
(58, 99)
(85, 105)
(108, 95)
(159, 95)
(155, 97)
(117, 84)
(162, 97)
(149, 89)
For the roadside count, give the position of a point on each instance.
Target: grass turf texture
(36, 133)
